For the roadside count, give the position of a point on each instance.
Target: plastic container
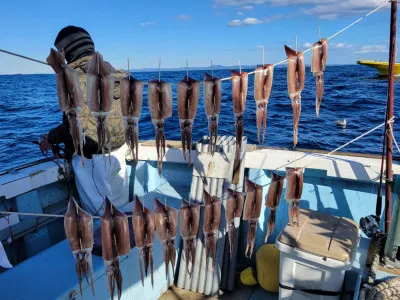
(315, 255)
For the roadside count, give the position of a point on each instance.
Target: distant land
(215, 67)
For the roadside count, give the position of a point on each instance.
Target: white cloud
(240, 13)
(183, 17)
(247, 21)
(247, 7)
(327, 9)
(333, 10)
(147, 23)
(371, 49)
(307, 45)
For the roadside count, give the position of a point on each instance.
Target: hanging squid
(318, 63)
(143, 228)
(115, 242)
(99, 97)
(295, 82)
(131, 96)
(239, 94)
(272, 200)
(78, 225)
(190, 221)
(262, 91)
(70, 97)
(212, 102)
(212, 216)
(294, 189)
(234, 208)
(252, 210)
(160, 106)
(166, 219)
(188, 100)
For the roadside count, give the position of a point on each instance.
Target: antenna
(212, 73)
(296, 44)
(319, 32)
(240, 67)
(159, 71)
(129, 72)
(187, 71)
(261, 46)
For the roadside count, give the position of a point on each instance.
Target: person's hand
(44, 144)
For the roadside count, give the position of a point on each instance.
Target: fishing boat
(324, 255)
(381, 66)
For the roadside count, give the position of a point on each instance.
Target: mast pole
(390, 105)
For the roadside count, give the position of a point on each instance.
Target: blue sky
(198, 31)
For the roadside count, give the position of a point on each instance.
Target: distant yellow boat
(381, 66)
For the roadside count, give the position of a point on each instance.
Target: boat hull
(381, 66)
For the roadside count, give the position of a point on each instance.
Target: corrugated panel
(208, 176)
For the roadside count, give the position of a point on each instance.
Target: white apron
(99, 178)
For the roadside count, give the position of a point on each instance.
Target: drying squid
(318, 63)
(78, 225)
(239, 94)
(212, 216)
(294, 189)
(190, 219)
(166, 219)
(115, 242)
(160, 106)
(143, 228)
(99, 97)
(252, 210)
(262, 91)
(70, 97)
(295, 82)
(212, 103)
(272, 200)
(131, 96)
(188, 100)
(234, 208)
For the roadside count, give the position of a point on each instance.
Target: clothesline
(237, 188)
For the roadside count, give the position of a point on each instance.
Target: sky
(175, 31)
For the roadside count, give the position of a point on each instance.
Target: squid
(262, 91)
(272, 200)
(318, 63)
(160, 106)
(212, 102)
(115, 242)
(188, 100)
(143, 228)
(166, 219)
(78, 225)
(131, 95)
(234, 208)
(70, 97)
(294, 189)
(99, 97)
(295, 82)
(252, 210)
(212, 216)
(190, 221)
(239, 94)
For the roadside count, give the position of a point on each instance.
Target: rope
(394, 139)
(224, 195)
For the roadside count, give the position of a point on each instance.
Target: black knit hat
(75, 41)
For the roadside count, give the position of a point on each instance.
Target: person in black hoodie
(111, 180)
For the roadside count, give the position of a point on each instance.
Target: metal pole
(390, 105)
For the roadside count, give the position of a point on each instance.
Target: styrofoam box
(299, 269)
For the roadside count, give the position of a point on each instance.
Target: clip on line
(223, 196)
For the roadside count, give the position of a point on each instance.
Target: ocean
(29, 108)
